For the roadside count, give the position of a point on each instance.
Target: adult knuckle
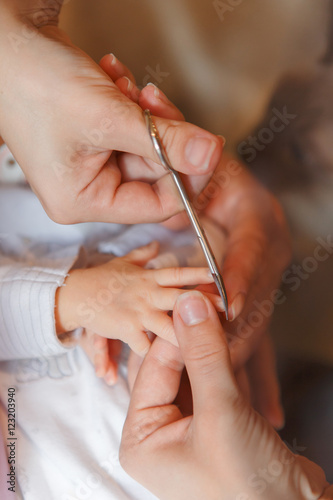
(206, 356)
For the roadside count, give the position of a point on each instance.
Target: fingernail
(130, 84)
(156, 89)
(159, 94)
(236, 307)
(132, 89)
(210, 276)
(110, 379)
(113, 59)
(199, 152)
(224, 140)
(192, 308)
(220, 306)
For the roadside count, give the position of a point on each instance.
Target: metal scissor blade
(221, 288)
(209, 255)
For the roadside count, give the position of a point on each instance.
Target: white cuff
(27, 299)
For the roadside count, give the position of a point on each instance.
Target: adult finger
(152, 98)
(158, 380)
(241, 268)
(205, 352)
(190, 149)
(128, 88)
(265, 388)
(115, 69)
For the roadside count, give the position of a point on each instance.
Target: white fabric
(68, 430)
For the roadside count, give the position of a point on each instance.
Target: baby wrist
(65, 312)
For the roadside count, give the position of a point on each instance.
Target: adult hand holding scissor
(81, 142)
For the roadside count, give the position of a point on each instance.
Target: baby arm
(122, 300)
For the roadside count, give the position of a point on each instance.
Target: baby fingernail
(220, 306)
(192, 308)
(210, 276)
(110, 379)
(199, 152)
(237, 306)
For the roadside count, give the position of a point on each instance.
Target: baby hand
(122, 300)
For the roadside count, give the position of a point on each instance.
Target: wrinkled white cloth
(68, 430)
(68, 422)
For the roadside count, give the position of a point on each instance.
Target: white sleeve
(27, 299)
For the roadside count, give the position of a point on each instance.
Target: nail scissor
(157, 143)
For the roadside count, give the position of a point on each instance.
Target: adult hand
(257, 252)
(66, 121)
(225, 450)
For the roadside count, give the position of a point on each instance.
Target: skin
(76, 135)
(224, 450)
(122, 300)
(256, 235)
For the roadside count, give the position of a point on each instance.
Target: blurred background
(231, 69)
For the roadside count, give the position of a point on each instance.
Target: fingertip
(100, 370)
(109, 65)
(111, 377)
(238, 289)
(203, 152)
(141, 347)
(152, 98)
(128, 88)
(191, 308)
(190, 149)
(237, 306)
(114, 68)
(276, 417)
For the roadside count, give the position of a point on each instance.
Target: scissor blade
(189, 209)
(221, 288)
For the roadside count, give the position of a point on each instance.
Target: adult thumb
(205, 351)
(190, 149)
